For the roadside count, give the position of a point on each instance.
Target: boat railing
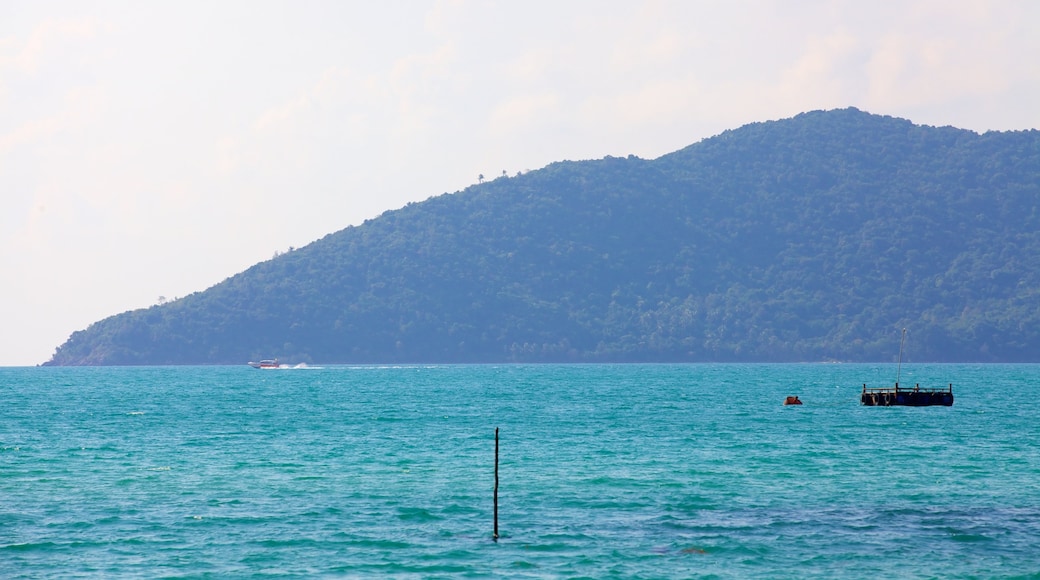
(897, 389)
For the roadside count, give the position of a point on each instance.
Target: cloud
(79, 107)
(48, 36)
(820, 68)
(33, 200)
(523, 113)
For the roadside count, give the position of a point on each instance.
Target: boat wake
(273, 364)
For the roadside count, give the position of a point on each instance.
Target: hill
(811, 238)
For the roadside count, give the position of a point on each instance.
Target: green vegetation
(813, 238)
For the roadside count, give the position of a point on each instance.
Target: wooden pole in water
(495, 536)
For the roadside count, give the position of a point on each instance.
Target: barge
(915, 397)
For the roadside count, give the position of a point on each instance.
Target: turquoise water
(628, 471)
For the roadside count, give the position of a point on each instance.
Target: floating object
(792, 401)
(915, 397)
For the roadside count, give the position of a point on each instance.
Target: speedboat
(267, 363)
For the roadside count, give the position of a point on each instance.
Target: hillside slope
(812, 238)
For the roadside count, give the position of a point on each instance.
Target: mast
(899, 366)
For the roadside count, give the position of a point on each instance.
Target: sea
(603, 471)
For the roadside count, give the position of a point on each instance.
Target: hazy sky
(154, 149)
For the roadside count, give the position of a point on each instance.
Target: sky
(149, 150)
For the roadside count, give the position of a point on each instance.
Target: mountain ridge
(811, 238)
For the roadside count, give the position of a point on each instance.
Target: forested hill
(807, 239)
